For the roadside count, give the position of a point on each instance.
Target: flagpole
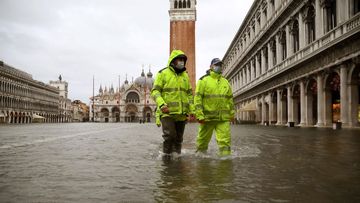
(119, 98)
(93, 100)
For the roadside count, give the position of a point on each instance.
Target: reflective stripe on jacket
(213, 98)
(173, 89)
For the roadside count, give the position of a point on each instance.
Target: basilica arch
(147, 114)
(115, 111)
(131, 113)
(104, 115)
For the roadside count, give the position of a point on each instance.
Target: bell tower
(182, 32)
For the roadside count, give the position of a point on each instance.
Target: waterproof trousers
(223, 137)
(173, 132)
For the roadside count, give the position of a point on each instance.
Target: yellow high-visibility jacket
(213, 98)
(174, 90)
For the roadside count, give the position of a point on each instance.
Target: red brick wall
(182, 36)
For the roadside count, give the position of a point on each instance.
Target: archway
(147, 112)
(105, 115)
(355, 96)
(296, 104)
(115, 114)
(311, 102)
(273, 100)
(284, 106)
(132, 97)
(332, 98)
(259, 116)
(131, 113)
(266, 119)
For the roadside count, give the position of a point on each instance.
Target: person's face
(179, 63)
(217, 68)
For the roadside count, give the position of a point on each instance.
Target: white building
(297, 62)
(129, 103)
(64, 103)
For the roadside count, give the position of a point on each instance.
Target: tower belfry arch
(182, 32)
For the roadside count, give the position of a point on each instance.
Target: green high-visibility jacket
(213, 98)
(174, 90)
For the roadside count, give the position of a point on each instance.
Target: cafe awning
(251, 106)
(35, 116)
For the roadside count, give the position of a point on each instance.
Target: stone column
(290, 105)
(278, 50)
(257, 65)
(289, 40)
(269, 10)
(252, 71)
(271, 110)
(344, 99)
(270, 57)
(342, 11)
(319, 29)
(263, 110)
(257, 26)
(277, 4)
(248, 73)
(302, 34)
(302, 103)
(263, 52)
(320, 101)
(263, 18)
(279, 115)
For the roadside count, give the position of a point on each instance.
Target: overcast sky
(106, 38)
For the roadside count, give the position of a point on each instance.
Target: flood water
(112, 162)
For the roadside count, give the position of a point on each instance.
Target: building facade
(297, 62)
(25, 100)
(129, 103)
(182, 32)
(80, 111)
(65, 105)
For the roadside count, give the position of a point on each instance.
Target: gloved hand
(165, 109)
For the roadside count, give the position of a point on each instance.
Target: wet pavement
(112, 162)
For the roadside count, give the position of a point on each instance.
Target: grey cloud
(85, 38)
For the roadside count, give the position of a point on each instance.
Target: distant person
(214, 108)
(173, 95)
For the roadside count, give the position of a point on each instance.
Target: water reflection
(121, 162)
(188, 178)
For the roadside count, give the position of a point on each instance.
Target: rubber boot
(167, 148)
(177, 148)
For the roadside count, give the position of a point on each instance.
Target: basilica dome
(145, 80)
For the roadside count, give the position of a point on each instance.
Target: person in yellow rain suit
(173, 95)
(214, 108)
(157, 117)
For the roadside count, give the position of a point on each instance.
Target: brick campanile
(182, 32)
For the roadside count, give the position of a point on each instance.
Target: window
(356, 6)
(294, 30)
(265, 52)
(175, 4)
(282, 39)
(330, 14)
(273, 51)
(310, 24)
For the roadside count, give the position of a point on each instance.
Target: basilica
(131, 102)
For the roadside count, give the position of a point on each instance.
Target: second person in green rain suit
(214, 109)
(173, 95)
